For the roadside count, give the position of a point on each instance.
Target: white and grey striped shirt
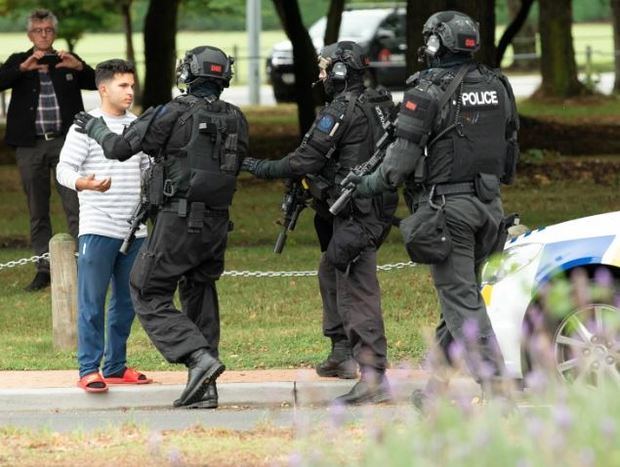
(103, 213)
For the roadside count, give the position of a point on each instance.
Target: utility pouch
(347, 243)
(155, 184)
(196, 217)
(230, 158)
(486, 186)
(510, 164)
(425, 233)
(318, 187)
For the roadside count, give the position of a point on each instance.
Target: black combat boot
(339, 362)
(202, 369)
(41, 280)
(372, 388)
(436, 388)
(208, 401)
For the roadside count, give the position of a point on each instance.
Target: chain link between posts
(383, 267)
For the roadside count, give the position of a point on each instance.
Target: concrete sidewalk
(56, 390)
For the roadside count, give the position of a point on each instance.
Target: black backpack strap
(455, 83)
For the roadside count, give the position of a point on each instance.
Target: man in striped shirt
(108, 190)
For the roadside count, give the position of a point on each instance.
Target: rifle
(139, 216)
(294, 201)
(347, 186)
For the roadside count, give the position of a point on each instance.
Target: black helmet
(205, 62)
(347, 53)
(453, 30)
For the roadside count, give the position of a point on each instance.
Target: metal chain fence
(383, 267)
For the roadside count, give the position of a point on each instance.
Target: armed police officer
(196, 142)
(456, 141)
(343, 136)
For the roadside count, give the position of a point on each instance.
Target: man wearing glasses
(45, 96)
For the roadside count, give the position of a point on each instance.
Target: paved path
(523, 86)
(56, 390)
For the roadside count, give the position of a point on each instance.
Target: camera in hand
(49, 59)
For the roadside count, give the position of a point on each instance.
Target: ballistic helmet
(453, 30)
(342, 58)
(205, 62)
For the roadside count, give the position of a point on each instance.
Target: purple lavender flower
(609, 428)
(295, 459)
(562, 416)
(470, 330)
(175, 458)
(154, 443)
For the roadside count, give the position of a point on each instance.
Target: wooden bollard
(63, 268)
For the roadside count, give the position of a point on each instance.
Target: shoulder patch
(326, 123)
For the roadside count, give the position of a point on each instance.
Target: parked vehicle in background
(380, 31)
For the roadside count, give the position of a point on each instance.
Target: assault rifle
(139, 216)
(294, 201)
(368, 167)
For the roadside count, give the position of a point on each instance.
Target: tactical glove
(95, 128)
(250, 164)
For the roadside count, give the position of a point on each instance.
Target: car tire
(583, 345)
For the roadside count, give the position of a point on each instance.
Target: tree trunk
(129, 49)
(482, 11)
(521, 34)
(304, 57)
(615, 13)
(558, 66)
(160, 24)
(334, 18)
(418, 12)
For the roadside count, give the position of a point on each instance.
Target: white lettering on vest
(479, 98)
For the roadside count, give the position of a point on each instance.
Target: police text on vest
(479, 98)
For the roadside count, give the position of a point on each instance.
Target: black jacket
(20, 121)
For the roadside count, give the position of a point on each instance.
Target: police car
(580, 316)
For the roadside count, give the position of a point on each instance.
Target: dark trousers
(474, 227)
(352, 308)
(37, 165)
(193, 260)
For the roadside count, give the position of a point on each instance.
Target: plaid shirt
(48, 112)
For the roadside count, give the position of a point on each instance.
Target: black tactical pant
(474, 227)
(194, 260)
(36, 167)
(352, 308)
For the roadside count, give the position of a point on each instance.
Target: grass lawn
(266, 322)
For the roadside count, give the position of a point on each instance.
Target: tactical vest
(207, 166)
(475, 119)
(377, 107)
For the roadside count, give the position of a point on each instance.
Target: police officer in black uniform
(197, 142)
(456, 154)
(343, 136)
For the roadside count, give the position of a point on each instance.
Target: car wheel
(583, 346)
(586, 345)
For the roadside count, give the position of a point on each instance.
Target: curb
(283, 394)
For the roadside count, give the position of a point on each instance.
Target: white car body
(536, 256)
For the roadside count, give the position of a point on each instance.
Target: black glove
(250, 164)
(91, 126)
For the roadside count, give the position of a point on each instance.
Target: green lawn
(266, 322)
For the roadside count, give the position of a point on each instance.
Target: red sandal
(130, 376)
(93, 382)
